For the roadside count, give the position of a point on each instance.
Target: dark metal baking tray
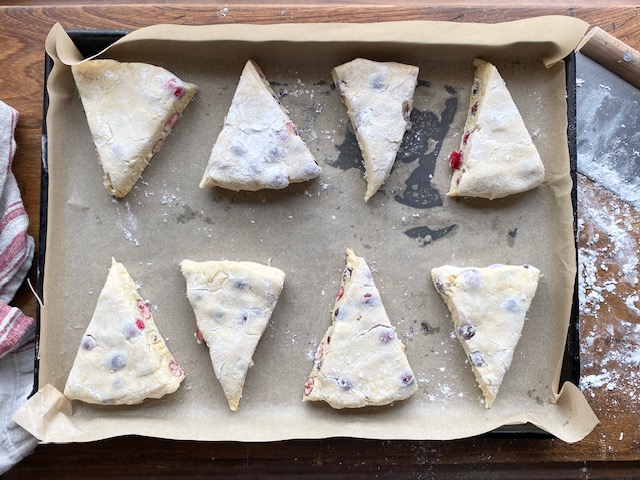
(92, 42)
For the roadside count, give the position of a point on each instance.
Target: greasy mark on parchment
(511, 237)
(428, 329)
(427, 129)
(427, 235)
(188, 215)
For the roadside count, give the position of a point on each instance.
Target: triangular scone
(122, 357)
(131, 108)
(259, 147)
(232, 302)
(360, 361)
(488, 307)
(497, 156)
(379, 100)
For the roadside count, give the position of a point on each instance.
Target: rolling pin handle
(612, 54)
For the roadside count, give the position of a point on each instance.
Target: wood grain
(603, 454)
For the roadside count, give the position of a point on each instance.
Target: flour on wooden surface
(609, 302)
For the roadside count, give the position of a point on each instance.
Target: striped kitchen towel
(17, 337)
(16, 246)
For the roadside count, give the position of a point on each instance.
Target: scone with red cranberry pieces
(122, 359)
(360, 360)
(232, 303)
(130, 108)
(497, 156)
(259, 146)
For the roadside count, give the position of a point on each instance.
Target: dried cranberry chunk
(455, 160)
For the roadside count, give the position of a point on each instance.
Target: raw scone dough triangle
(488, 307)
(360, 361)
(130, 108)
(497, 156)
(232, 302)
(379, 100)
(122, 358)
(259, 146)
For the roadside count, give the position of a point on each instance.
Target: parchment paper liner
(305, 229)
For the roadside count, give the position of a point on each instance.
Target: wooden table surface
(611, 451)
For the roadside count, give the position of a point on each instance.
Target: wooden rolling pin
(612, 54)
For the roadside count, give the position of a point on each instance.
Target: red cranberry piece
(328, 340)
(340, 293)
(260, 72)
(308, 387)
(465, 139)
(369, 300)
(466, 332)
(131, 330)
(139, 324)
(171, 121)
(176, 87)
(88, 343)
(474, 109)
(144, 309)
(455, 160)
(292, 128)
(199, 337)
(175, 369)
(157, 147)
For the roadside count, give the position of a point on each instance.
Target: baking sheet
(403, 232)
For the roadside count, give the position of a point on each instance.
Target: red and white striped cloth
(17, 344)
(16, 246)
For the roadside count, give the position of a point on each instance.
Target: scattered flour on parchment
(126, 221)
(608, 280)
